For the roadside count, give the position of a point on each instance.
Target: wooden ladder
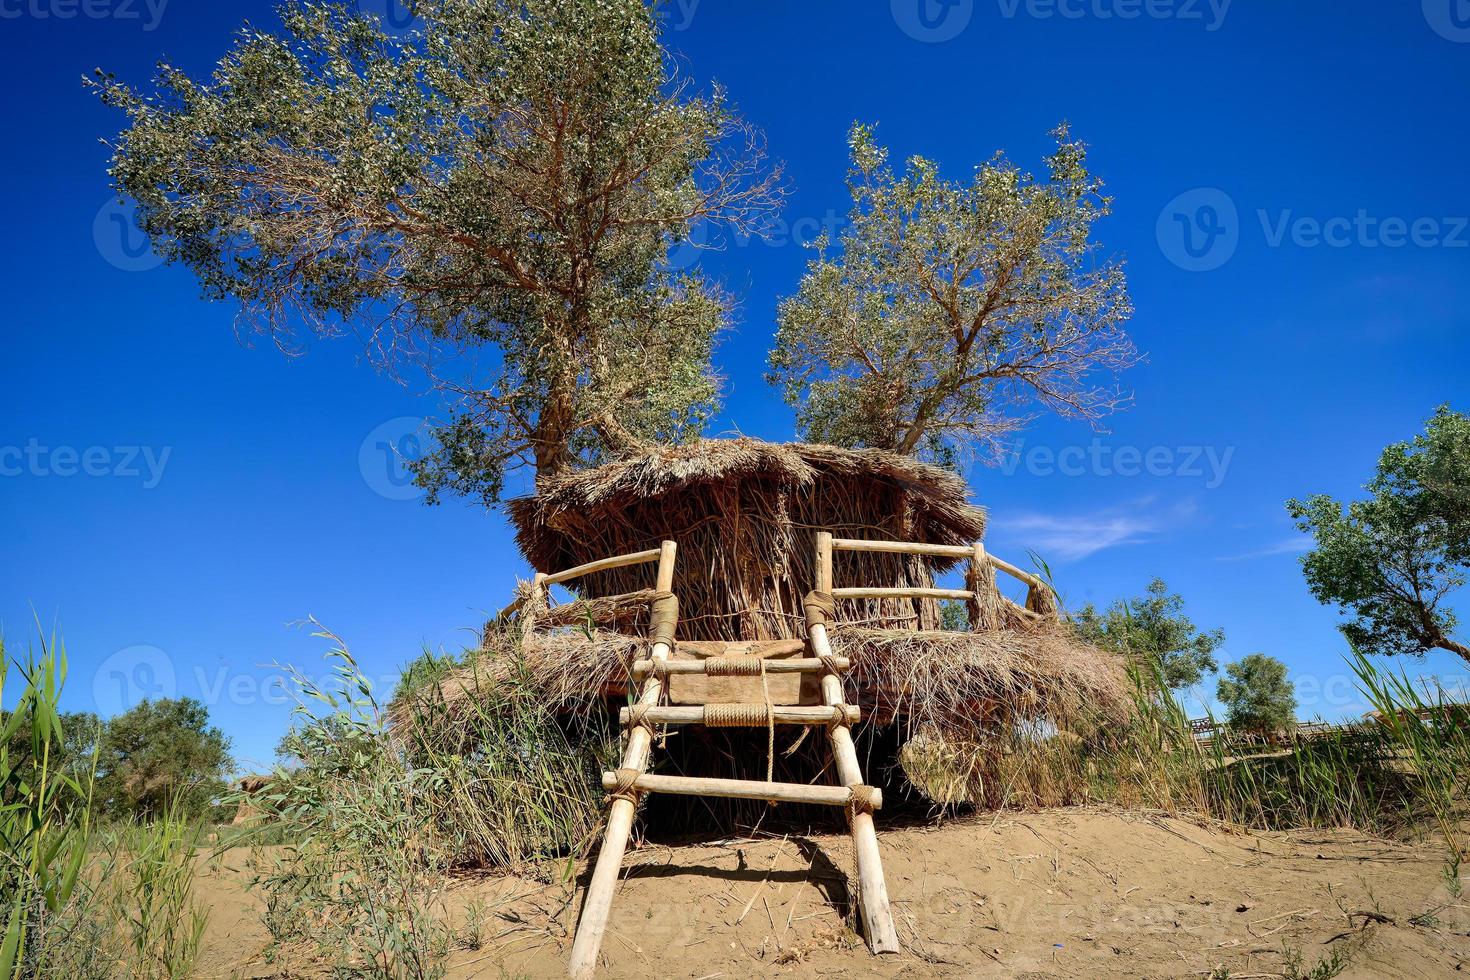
(632, 778)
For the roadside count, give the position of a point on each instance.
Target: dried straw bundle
(964, 684)
(971, 684)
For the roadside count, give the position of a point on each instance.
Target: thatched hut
(248, 787)
(745, 515)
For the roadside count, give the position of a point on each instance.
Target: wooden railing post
(824, 561)
(985, 600)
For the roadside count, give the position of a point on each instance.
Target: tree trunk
(1445, 643)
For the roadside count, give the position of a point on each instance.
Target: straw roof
(938, 499)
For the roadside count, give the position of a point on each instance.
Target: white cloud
(1294, 545)
(1072, 537)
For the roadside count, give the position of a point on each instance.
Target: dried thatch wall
(745, 513)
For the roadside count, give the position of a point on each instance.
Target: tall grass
(1404, 773)
(1430, 736)
(356, 884)
(515, 788)
(146, 879)
(79, 902)
(45, 817)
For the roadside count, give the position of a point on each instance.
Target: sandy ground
(1068, 893)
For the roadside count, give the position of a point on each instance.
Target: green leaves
(1392, 559)
(1256, 694)
(1154, 629)
(955, 312)
(488, 199)
(159, 756)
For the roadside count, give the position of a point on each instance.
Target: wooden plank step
(802, 665)
(845, 714)
(743, 789)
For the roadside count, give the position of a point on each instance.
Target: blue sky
(1290, 199)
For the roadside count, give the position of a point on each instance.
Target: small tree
(158, 752)
(1257, 696)
(1154, 628)
(1391, 560)
(490, 198)
(955, 312)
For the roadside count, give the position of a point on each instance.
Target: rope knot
(864, 798)
(626, 788)
(663, 617)
(821, 608)
(734, 667)
(638, 716)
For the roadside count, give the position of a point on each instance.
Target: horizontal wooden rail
(802, 665)
(544, 582)
(903, 548)
(744, 789)
(781, 715)
(603, 565)
(517, 603)
(913, 593)
(1015, 572)
(1016, 607)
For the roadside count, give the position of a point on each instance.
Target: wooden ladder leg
(598, 903)
(873, 892)
(873, 898)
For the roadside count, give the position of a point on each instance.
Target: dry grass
(966, 683)
(958, 683)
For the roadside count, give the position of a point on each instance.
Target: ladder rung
(802, 665)
(914, 593)
(743, 789)
(846, 714)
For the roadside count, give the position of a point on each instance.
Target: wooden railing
(984, 599)
(540, 595)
